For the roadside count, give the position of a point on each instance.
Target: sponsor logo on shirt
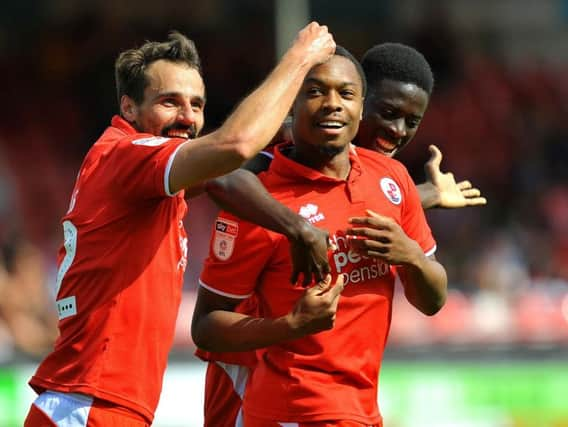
(391, 190)
(224, 238)
(310, 212)
(152, 141)
(356, 268)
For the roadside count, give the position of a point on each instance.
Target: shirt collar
(119, 123)
(286, 167)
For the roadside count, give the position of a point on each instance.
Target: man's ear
(128, 108)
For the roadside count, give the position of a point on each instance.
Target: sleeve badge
(224, 237)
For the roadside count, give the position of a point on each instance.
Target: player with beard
(321, 372)
(125, 249)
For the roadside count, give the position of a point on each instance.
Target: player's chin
(385, 151)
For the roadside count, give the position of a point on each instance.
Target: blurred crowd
(501, 125)
(28, 321)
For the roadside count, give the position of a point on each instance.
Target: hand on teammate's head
(315, 43)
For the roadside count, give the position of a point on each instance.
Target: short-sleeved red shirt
(120, 273)
(332, 374)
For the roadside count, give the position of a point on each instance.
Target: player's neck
(333, 162)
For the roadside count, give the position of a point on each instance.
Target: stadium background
(496, 355)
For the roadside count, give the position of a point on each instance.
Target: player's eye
(348, 94)
(413, 123)
(388, 114)
(197, 105)
(314, 91)
(169, 102)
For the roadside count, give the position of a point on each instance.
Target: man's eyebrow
(312, 80)
(200, 98)
(167, 94)
(321, 82)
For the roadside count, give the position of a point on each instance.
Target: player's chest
(332, 209)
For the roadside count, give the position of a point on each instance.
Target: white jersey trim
(239, 377)
(267, 154)
(169, 168)
(431, 251)
(225, 294)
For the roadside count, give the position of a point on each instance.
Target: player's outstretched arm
(216, 327)
(424, 279)
(441, 190)
(255, 121)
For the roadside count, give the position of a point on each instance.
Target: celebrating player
(322, 368)
(125, 250)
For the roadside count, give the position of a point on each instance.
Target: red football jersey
(332, 374)
(120, 273)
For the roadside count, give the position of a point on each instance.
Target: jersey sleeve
(239, 251)
(413, 219)
(140, 167)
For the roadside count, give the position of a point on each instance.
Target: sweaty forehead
(173, 77)
(398, 92)
(337, 70)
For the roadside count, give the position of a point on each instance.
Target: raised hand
(309, 255)
(314, 43)
(315, 311)
(381, 237)
(441, 190)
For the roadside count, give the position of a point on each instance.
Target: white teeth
(179, 135)
(386, 144)
(331, 124)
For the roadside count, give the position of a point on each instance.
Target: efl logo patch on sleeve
(152, 141)
(224, 238)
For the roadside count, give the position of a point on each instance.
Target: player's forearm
(261, 114)
(425, 284)
(222, 331)
(429, 195)
(247, 131)
(242, 194)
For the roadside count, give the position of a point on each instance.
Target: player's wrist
(300, 58)
(429, 195)
(299, 230)
(418, 258)
(293, 324)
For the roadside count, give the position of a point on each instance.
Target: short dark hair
(399, 62)
(130, 66)
(341, 51)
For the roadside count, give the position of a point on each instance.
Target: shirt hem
(320, 416)
(40, 385)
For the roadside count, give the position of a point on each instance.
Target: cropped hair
(131, 65)
(399, 62)
(341, 51)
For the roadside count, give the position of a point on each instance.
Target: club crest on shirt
(224, 238)
(152, 141)
(391, 190)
